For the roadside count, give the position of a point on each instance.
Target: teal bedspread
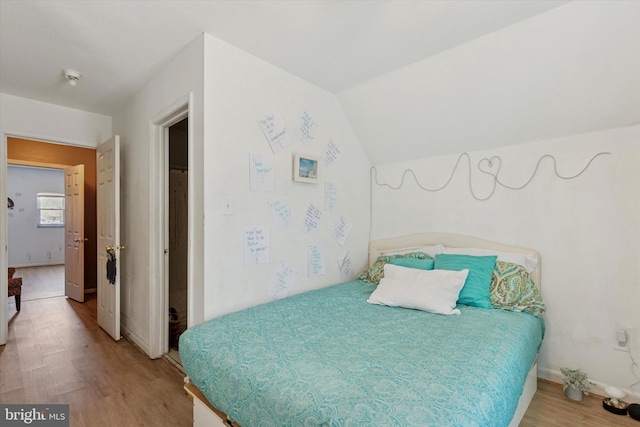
(328, 358)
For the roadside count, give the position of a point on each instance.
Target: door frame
(159, 207)
(4, 223)
(4, 252)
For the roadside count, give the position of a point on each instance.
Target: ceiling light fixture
(72, 76)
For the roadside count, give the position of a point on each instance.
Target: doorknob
(81, 240)
(119, 247)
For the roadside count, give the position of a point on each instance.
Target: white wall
(240, 90)
(141, 189)
(27, 118)
(231, 91)
(572, 69)
(587, 231)
(30, 245)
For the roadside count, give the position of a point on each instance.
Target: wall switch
(621, 340)
(227, 207)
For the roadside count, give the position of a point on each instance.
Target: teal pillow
(420, 264)
(476, 290)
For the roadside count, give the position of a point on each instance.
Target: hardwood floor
(41, 282)
(56, 353)
(550, 408)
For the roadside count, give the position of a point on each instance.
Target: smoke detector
(72, 76)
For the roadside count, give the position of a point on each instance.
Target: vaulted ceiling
(345, 47)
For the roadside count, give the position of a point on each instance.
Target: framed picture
(305, 168)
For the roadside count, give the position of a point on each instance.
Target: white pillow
(529, 262)
(429, 250)
(435, 291)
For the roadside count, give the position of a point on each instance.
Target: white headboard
(376, 247)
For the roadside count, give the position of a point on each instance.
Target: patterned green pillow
(512, 289)
(376, 271)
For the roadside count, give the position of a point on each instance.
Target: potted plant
(576, 383)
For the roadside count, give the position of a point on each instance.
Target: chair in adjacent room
(15, 287)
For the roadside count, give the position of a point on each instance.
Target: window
(50, 210)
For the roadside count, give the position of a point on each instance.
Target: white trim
(158, 285)
(38, 264)
(49, 140)
(4, 248)
(192, 296)
(555, 376)
(139, 342)
(4, 252)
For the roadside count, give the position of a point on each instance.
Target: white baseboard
(556, 377)
(42, 264)
(139, 342)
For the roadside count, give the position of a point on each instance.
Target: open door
(74, 232)
(108, 234)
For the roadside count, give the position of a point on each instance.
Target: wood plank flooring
(57, 354)
(550, 408)
(41, 282)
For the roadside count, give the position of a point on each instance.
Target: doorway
(36, 238)
(177, 232)
(32, 154)
(160, 319)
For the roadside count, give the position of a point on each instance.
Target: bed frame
(376, 247)
(205, 415)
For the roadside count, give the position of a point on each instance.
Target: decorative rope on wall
(488, 166)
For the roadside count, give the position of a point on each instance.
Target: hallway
(56, 353)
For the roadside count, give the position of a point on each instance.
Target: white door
(108, 234)
(74, 232)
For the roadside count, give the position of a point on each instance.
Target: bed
(329, 358)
